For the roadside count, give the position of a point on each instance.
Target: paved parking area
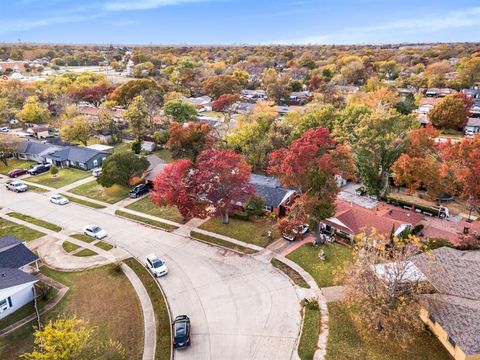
(240, 307)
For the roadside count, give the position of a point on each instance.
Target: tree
(311, 165)
(387, 302)
(224, 101)
(221, 84)
(119, 168)
(180, 111)
(125, 93)
(469, 70)
(436, 73)
(188, 142)
(451, 112)
(72, 339)
(106, 121)
(53, 170)
(8, 146)
(255, 205)
(33, 111)
(346, 121)
(354, 73)
(136, 115)
(94, 94)
(378, 141)
(310, 117)
(76, 129)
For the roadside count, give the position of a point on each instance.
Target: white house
(16, 290)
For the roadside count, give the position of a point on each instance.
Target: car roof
(152, 257)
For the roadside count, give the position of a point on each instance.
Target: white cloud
(122, 5)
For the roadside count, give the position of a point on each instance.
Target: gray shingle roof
(36, 148)
(264, 180)
(74, 153)
(273, 196)
(14, 277)
(16, 256)
(9, 241)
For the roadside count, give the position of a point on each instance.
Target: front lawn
(164, 154)
(63, 178)
(102, 296)
(322, 271)
(69, 247)
(84, 202)
(310, 329)
(104, 245)
(349, 340)
(145, 220)
(85, 253)
(95, 191)
(15, 164)
(291, 273)
(253, 232)
(35, 221)
(83, 237)
(165, 212)
(220, 242)
(19, 231)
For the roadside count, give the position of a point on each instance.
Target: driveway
(240, 307)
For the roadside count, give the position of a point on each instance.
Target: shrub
(255, 205)
(436, 243)
(137, 146)
(417, 229)
(53, 170)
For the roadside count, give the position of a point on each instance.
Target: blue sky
(239, 21)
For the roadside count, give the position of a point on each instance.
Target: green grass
(15, 164)
(95, 191)
(291, 273)
(322, 271)
(147, 221)
(35, 221)
(252, 232)
(69, 247)
(84, 202)
(19, 231)
(349, 340)
(162, 320)
(104, 245)
(122, 147)
(85, 253)
(164, 154)
(310, 331)
(63, 178)
(146, 206)
(83, 237)
(216, 241)
(37, 189)
(216, 114)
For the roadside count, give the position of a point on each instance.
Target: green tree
(119, 168)
(33, 111)
(136, 115)
(255, 205)
(346, 122)
(8, 146)
(469, 70)
(180, 110)
(451, 112)
(53, 170)
(310, 117)
(76, 130)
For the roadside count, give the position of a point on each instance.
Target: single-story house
(472, 126)
(202, 103)
(77, 157)
(40, 131)
(156, 166)
(300, 98)
(101, 147)
(435, 92)
(243, 107)
(276, 197)
(254, 95)
(15, 254)
(35, 150)
(17, 288)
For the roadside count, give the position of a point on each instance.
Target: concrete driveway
(240, 307)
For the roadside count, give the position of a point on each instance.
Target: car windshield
(17, 184)
(157, 263)
(180, 329)
(96, 229)
(56, 197)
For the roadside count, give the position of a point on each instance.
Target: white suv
(156, 266)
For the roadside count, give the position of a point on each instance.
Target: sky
(199, 22)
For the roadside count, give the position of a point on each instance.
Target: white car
(16, 186)
(4, 129)
(96, 172)
(58, 199)
(94, 231)
(156, 266)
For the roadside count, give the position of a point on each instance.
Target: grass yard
(15, 164)
(168, 213)
(253, 232)
(37, 189)
(35, 221)
(147, 221)
(19, 231)
(63, 178)
(95, 191)
(83, 237)
(104, 245)
(122, 147)
(102, 296)
(164, 154)
(310, 331)
(322, 271)
(291, 273)
(348, 340)
(84, 202)
(69, 247)
(162, 320)
(85, 253)
(216, 241)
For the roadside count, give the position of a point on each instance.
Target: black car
(181, 332)
(39, 169)
(140, 190)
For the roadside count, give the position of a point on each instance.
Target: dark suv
(140, 190)
(39, 169)
(181, 332)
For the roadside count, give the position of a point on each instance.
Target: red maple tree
(94, 94)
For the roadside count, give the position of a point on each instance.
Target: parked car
(17, 186)
(140, 190)
(38, 169)
(17, 172)
(296, 233)
(94, 231)
(4, 129)
(96, 172)
(156, 266)
(181, 332)
(58, 199)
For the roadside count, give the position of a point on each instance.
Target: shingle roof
(16, 257)
(75, 153)
(14, 277)
(264, 180)
(274, 197)
(9, 241)
(459, 317)
(473, 122)
(36, 148)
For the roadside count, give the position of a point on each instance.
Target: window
(95, 162)
(3, 305)
(268, 208)
(451, 341)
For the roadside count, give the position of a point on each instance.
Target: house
(17, 288)
(253, 96)
(434, 92)
(148, 146)
(452, 312)
(202, 103)
(277, 199)
(39, 132)
(35, 150)
(243, 107)
(15, 254)
(300, 98)
(101, 147)
(156, 166)
(472, 126)
(77, 157)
